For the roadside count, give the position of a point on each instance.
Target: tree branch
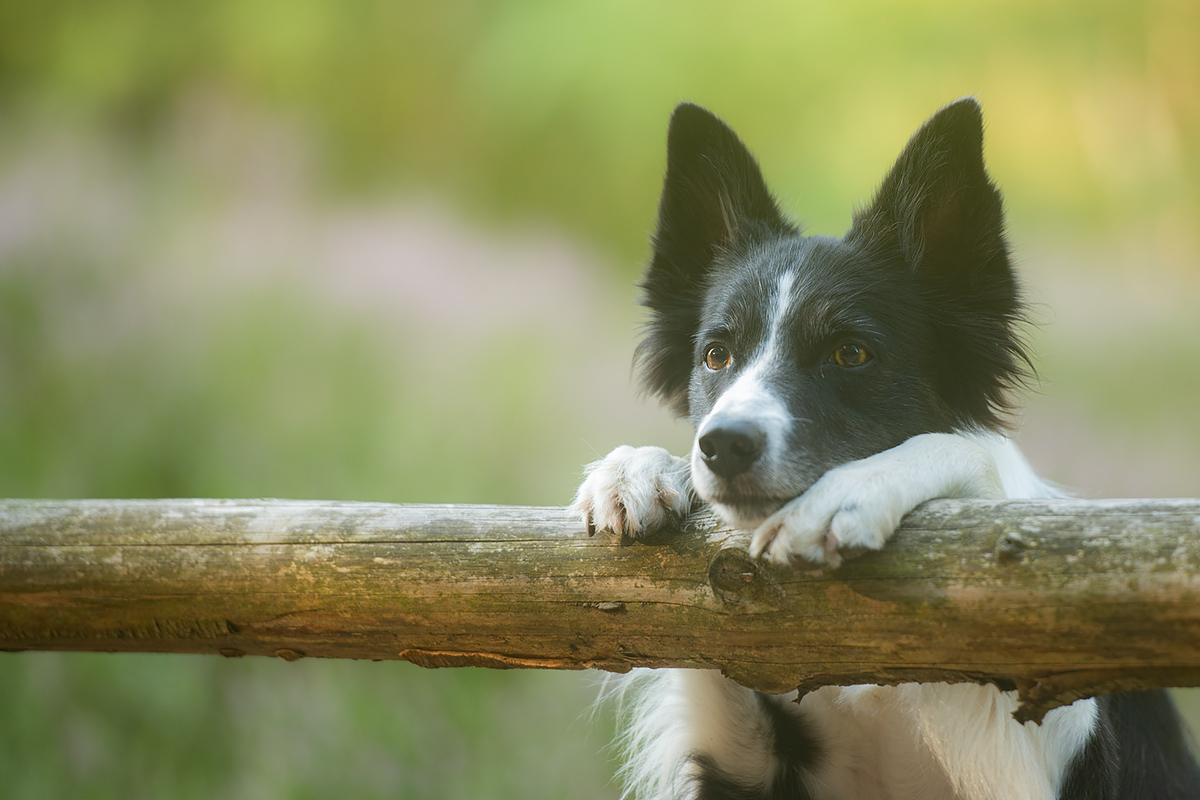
(1058, 599)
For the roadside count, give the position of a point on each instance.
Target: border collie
(835, 384)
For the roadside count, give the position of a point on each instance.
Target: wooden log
(1058, 599)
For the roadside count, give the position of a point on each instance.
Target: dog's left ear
(940, 206)
(940, 210)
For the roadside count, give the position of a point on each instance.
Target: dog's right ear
(713, 192)
(713, 198)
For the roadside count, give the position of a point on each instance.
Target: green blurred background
(385, 251)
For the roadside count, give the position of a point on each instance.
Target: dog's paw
(634, 491)
(858, 506)
(843, 514)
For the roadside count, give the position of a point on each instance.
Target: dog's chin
(746, 515)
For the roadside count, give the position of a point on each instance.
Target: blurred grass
(382, 251)
(152, 726)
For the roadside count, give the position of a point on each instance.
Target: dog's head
(793, 354)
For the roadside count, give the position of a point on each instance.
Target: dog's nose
(730, 446)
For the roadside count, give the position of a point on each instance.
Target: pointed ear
(713, 197)
(713, 191)
(939, 209)
(939, 205)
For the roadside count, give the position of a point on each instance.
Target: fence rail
(1058, 599)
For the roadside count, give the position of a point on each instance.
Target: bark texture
(1058, 599)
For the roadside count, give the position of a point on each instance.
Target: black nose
(730, 446)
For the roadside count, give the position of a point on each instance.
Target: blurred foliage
(558, 109)
(157, 339)
(150, 726)
(273, 399)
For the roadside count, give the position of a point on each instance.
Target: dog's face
(807, 355)
(793, 354)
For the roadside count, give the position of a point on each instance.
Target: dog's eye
(717, 357)
(850, 355)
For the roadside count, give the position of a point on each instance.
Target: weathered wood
(1059, 599)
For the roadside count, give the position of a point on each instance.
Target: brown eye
(850, 355)
(717, 357)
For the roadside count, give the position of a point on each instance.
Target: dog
(835, 384)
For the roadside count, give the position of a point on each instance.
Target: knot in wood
(739, 580)
(1011, 547)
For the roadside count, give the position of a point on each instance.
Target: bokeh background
(350, 249)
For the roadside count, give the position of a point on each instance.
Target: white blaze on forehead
(751, 396)
(783, 301)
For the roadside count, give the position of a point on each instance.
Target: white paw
(634, 491)
(859, 505)
(847, 511)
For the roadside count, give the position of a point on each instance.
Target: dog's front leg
(858, 505)
(635, 491)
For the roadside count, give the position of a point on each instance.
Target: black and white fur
(835, 384)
